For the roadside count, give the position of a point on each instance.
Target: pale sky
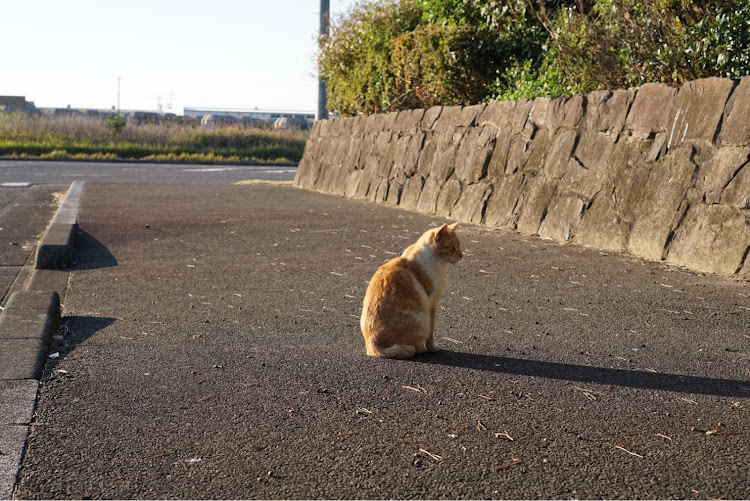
(212, 53)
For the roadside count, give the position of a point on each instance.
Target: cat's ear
(441, 232)
(453, 226)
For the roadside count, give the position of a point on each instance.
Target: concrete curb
(56, 247)
(26, 326)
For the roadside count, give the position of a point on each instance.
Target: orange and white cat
(398, 314)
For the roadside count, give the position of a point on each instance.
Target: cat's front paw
(433, 349)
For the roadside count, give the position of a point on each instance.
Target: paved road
(25, 172)
(212, 350)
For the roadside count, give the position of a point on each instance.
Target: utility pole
(322, 112)
(118, 95)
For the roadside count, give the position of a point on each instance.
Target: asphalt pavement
(210, 348)
(24, 173)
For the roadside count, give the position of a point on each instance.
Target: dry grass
(82, 137)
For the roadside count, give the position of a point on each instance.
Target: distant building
(15, 103)
(267, 117)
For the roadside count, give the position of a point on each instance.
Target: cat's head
(446, 244)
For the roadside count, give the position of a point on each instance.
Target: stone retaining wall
(659, 173)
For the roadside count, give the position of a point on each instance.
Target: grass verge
(86, 138)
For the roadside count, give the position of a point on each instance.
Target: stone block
(401, 150)
(594, 103)
(497, 114)
(560, 152)
(390, 119)
(587, 167)
(427, 155)
(447, 198)
(502, 204)
(573, 110)
(601, 227)
(499, 159)
(378, 190)
(533, 204)
(520, 115)
(395, 188)
(444, 164)
(650, 110)
(448, 117)
(697, 111)
(658, 147)
(712, 239)
(629, 174)
(413, 152)
(474, 155)
(444, 135)
(427, 203)
(538, 112)
(720, 170)
(366, 148)
(736, 127)
(613, 111)
(430, 116)
(325, 128)
(537, 152)
(519, 152)
(412, 190)
(352, 154)
(365, 182)
(469, 114)
(662, 204)
(555, 114)
(563, 215)
(471, 205)
(358, 126)
(737, 192)
(353, 181)
(382, 142)
(374, 123)
(408, 120)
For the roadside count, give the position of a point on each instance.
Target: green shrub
(115, 123)
(626, 43)
(387, 55)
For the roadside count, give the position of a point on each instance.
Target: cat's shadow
(588, 374)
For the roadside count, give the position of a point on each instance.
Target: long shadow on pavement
(585, 374)
(90, 253)
(76, 329)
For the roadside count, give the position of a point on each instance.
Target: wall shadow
(585, 374)
(90, 254)
(75, 330)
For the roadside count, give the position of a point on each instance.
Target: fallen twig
(504, 435)
(418, 389)
(629, 452)
(511, 464)
(587, 393)
(345, 434)
(663, 436)
(433, 456)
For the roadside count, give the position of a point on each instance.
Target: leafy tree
(387, 55)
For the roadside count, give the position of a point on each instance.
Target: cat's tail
(394, 351)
